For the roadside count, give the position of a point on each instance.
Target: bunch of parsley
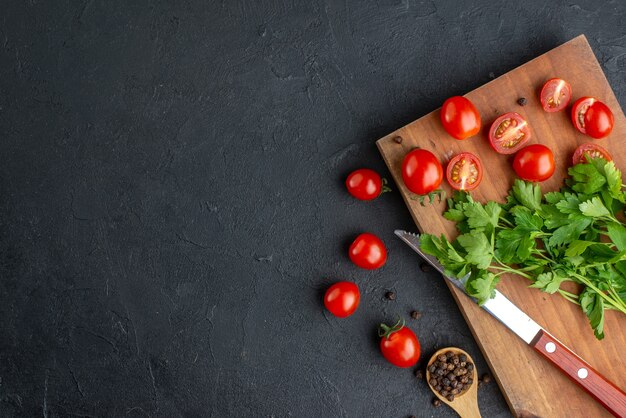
(573, 235)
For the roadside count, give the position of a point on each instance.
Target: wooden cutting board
(531, 385)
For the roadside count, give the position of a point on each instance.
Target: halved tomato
(509, 133)
(592, 117)
(591, 151)
(555, 95)
(464, 171)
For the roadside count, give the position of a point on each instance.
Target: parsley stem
(569, 296)
(618, 304)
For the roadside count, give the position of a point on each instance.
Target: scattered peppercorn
(522, 101)
(486, 378)
(425, 267)
(397, 139)
(416, 315)
(412, 416)
(450, 376)
(419, 374)
(436, 403)
(390, 295)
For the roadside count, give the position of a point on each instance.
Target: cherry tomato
(591, 151)
(592, 117)
(421, 171)
(365, 184)
(368, 251)
(460, 118)
(464, 171)
(342, 299)
(534, 163)
(509, 133)
(399, 345)
(555, 95)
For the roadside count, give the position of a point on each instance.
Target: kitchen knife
(605, 392)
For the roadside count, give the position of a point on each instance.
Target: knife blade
(505, 311)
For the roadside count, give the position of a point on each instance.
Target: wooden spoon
(465, 403)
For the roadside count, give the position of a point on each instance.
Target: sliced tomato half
(591, 151)
(509, 133)
(579, 110)
(555, 95)
(464, 171)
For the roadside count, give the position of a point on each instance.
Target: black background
(172, 203)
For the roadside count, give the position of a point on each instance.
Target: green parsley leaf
(594, 208)
(482, 286)
(593, 306)
(527, 194)
(478, 247)
(568, 233)
(617, 233)
(549, 282)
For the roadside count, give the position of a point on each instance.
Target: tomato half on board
(555, 95)
(534, 163)
(421, 171)
(592, 117)
(509, 133)
(591, 151)
(464, 171)
(342, 299)
(460, 118)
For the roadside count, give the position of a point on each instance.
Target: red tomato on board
(591, 151)
(555, 95)
(464, 171)
(509, 133)
(365, 184)
(460, 118)
(342, 299)
(399, 345)
(592, 117)
(534, 163)
(368, 251)
(421, 171)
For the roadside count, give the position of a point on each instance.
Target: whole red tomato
(342, 299)
(399, 345)
(365, 184)
(460, 118)
(592, 117)
(368, 251)
(421, 171)
(534, 163)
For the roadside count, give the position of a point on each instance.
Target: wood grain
(531, 385)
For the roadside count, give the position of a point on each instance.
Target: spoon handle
(604, 391)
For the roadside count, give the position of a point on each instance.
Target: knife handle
(605, 392)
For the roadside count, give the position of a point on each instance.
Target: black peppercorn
(419, 374)
(416, 315)
(433, 382)
(440, 372)
(432, 368)
(438, 388)
(397, 139)
(463, 357)
(390, 295)
(522, 101)
(450, 367)
(470, 367)
(450, 397)
(455, 391)
(444, 393)
(446, 381)
(455, 360)
(425, 267)
(449, 354)
(463, 364)
(436, 403)
(442, 357)
(451, 376)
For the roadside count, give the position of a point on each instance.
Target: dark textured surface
(172, 205)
